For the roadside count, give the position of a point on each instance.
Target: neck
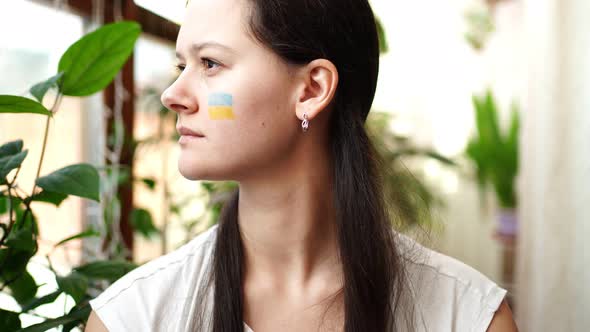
(287, 221)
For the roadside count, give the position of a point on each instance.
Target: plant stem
(42, 155)
(10, 220)
(53, 110)
(32, 313)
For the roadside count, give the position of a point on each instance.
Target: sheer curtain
(553, 257)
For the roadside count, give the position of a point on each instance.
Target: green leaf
(208, 186)
(511, 144)
(86, 233)
(150, 183)
(92, 62)
(487, 120)
(17, 104)
(107, 270)
(24, 288)
(9, 320)
(215, 213)
(495, 155)
(75, 285)
(11, 148)
(48, 197)
(23, 220)
(9, 163)
(142, 222)
(383, 46)
(37, 302)
(15, 262)
(21, 239)
(40, 89)
(79, 180)
(175, 209)
(80, 314)
(4, 203)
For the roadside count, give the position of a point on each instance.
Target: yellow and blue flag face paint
(221, 106)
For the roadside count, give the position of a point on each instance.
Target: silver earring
(305, 123)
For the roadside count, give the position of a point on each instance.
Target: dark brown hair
(344, 32)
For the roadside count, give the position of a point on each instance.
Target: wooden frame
(151, 24)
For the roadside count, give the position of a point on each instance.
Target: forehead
(221, 21)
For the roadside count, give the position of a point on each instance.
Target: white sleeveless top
(448, 295)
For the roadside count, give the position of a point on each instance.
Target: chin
(192, 169)
(196, 170)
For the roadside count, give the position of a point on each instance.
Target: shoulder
(503, 321)
(447, 294)
(149, 294)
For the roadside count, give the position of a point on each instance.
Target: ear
(318, 81)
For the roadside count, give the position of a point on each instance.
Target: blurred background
(482, 112)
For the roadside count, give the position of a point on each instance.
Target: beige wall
(554, 257)
(63, 149)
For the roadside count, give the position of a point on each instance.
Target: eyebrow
(197, 47)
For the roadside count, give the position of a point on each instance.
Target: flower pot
(507, 234)
(507, 223)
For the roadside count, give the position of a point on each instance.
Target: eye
(207, 61)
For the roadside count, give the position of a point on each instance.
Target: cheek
(264, 124)
(250, 126)
(220, 106)
(251, 108)
(263, 130)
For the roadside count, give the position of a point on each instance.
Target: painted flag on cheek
(221, 106)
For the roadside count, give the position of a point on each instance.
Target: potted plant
(495, 156)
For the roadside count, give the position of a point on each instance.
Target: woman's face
(240, 96)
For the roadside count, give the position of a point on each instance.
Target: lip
(184, 131)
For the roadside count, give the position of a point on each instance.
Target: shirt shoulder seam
(152, 273)
(460, 280)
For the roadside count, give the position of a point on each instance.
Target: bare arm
(94, 324)
(503, 320)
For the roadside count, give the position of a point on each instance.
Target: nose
(176, 98)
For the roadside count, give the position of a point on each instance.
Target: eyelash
(180, 68)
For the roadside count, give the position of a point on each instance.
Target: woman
(274, 95)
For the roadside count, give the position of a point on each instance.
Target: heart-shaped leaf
(9, 320)
(17, 104)
(15, 262)
(4, 203)
(9, 163)
(142, 222)
(92, 62)
(74, 285)
(40, 89)
(21, 239)
(78, 180)
(11, 148)
(24, 288)
(48, 197)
